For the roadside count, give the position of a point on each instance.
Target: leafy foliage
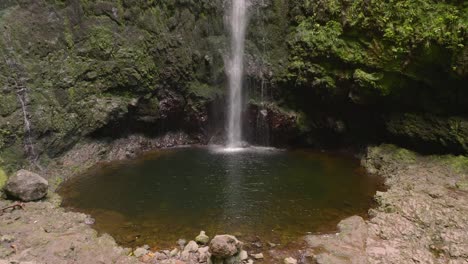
(391, 46)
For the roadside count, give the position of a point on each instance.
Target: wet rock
(223, 246)
(257, 256)
(26, 186)
(140, 252)
(290, 261)
(350, 242)
(202, 238)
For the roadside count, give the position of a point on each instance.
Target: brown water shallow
(260, 195)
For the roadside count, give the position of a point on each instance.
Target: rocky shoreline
(421, 218)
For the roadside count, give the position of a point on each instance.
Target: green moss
(401, 52)
(3, 178)
(68, 35)
(370, 81)
(458, 163)
(204, 90)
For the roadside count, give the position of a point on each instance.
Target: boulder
(223, 246)
(202, 238)
(26, 186)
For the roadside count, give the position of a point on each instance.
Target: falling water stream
(238, 22)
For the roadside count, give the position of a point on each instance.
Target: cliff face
(81, 66)
(359, 69)
(388, 70)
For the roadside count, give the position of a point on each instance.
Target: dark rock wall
(386, 70)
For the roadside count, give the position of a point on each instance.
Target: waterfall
(238, 23)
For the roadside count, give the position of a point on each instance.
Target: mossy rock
(430, 132)
(3, 178)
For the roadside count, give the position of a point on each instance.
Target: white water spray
(238, 21)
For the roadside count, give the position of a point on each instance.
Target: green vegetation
(3, 178)
(382, 48)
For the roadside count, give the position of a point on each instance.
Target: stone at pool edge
(140, 252)
(224, 246)
(290, 261)
(202, 238)
(26, 186)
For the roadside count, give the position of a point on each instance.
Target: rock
(191, 247)
(146, 258)
(204, 255)
(181, 242)
(250, 261)
(272, 245)
(243, 255)
(89, 220)
(202, 238)
(140, 252)
(26, 186)
(223, 246)
(257, 244)
(257, 256)
(349, 243)
(160, 256)
(174, 252)
(7, 239)
(290, 261)
(462, 185)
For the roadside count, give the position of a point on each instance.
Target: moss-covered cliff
(345, 70)
(80, 65)
(399, 66)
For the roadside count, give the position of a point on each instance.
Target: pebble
(257, 256)
(202, 238)
(181, 242)
(174, 252)
(89, 220)
(139, 252)
(290, 261)
(7, 239)
(243, 255)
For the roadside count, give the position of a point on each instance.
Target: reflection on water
(171, 194)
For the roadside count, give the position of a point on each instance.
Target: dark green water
(171, 194)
